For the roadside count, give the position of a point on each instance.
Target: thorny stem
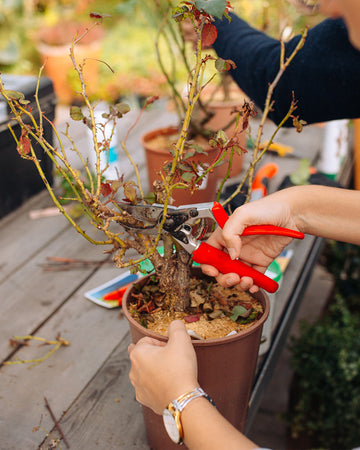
(193, 96)
(79, 68)
(257, 153)
(179, 103)
(123, 145)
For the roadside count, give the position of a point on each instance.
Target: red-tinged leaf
(224, 65)
(151, 100)
(192, 318)
(209, 35)
(96, 15)
(106, 189)
(116, 185)
(24, 145)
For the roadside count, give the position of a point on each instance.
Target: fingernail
(232, 253)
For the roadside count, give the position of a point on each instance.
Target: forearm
(327, 212)
(326, 64)
(212, 431)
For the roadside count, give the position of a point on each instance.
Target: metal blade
(140, 218)
(144, 213)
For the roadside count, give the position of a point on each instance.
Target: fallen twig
(21, 339)
(56, 422)
(59, 263)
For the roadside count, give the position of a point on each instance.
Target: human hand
(258, 251)
(162, 371)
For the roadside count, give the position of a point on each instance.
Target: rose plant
(99, 197)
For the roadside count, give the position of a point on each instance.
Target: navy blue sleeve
(324, 75)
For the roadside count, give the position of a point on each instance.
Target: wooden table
(86, 384)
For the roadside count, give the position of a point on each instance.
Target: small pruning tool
(188, 224)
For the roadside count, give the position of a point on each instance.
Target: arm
(162, 372)
(328, 212)
(321, 75)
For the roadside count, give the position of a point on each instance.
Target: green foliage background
(326, 361)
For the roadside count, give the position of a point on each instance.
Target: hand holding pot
(160, 371)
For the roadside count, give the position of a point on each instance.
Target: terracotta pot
(222, 115)
(54, 48)
(226, 370)
(156, 156)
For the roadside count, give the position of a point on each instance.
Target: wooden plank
(106, 415)
(30, 295)
(21, 238)
(93, 333)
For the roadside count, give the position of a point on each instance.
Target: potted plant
(56, 29)
(173, 285)
(218, 106)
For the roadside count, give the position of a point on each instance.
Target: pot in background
(54, 48)
(157, 153)
(221, 102)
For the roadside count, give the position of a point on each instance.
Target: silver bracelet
(185, 399)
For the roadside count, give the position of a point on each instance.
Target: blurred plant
(342, 260)
(326, 363)
(278, 18)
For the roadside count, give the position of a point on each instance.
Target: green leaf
(188, 177)
(215, 8)
(238, 311)
(150, 197)
(76, 113)
(119, 109)
(221, 137)
(188, 155)
(14, 95)
(221, 65)
(197, 149)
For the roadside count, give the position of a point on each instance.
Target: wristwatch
(172, 413)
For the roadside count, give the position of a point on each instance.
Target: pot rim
(166, 131)
(201, 343)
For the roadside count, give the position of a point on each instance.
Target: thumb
(178, 334)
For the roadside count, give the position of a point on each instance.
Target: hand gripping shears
(187, 225)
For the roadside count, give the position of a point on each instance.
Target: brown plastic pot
(226, 370)
(156, 156)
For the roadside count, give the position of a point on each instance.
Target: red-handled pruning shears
(187, 225)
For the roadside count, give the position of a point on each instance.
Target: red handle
(221, 217)
(220, 214)
(273, 230)
(207, 254)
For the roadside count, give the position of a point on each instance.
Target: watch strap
(186, 398)
(176, 407)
